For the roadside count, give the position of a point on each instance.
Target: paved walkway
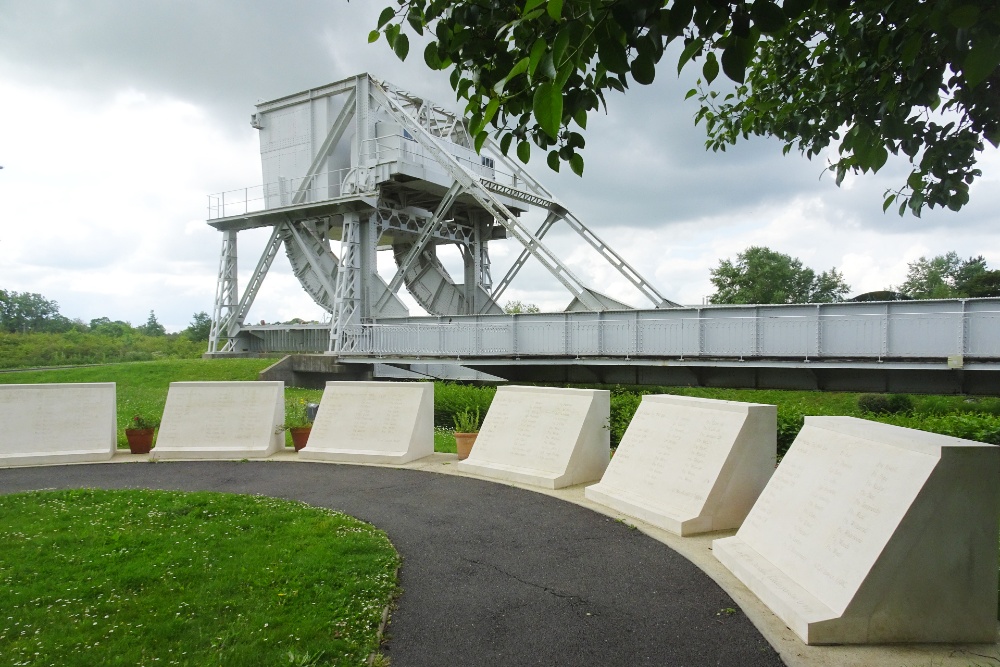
(499, 575)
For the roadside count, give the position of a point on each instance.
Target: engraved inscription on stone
(370, 418)
(831, 507)
(223, 416)
(57, 418)
(672, 454)
(534, 430)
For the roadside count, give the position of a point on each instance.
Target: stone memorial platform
(373, 422)
(544, 436)
(691, 465)
(870, 533)
(221, 420)
(57, 423)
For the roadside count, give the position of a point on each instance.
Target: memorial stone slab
(57, 423)
(373, 422)
(691, 465)
(871, 533)
(544, 436)
(221, 420)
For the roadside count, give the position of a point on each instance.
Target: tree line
(762, 275)
(34, 333)
(28, 312)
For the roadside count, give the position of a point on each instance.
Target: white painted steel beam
(471, 184)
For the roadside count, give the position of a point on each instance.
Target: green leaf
(559, 47)
(709, 70)
(767, 16)
(518, 68)
(402, 46)
(554, 9)
(879, 155)
(547, 107)
(691, 93)
(612, 56)
(580, 116)
(690, 49)
(529, 5)
(523, 151)
(553, 160)
(480, 140)
(491, 110)
(964, 16)
(431, 56)
(505, 143)
(537, 51)
(888, 202)
(576, 164)
(643, 69)
(735, 58)
(387, 14)
(983, 58)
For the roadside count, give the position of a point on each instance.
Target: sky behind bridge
(119, 118)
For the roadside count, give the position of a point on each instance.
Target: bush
(623, 407)
(885, 404)
(790, 422)
(451, 399)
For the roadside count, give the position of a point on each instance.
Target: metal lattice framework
(366, 165)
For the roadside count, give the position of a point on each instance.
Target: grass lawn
(93, 577)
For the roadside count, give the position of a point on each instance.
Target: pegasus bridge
(360, 166)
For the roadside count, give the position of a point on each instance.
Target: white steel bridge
(360, 166)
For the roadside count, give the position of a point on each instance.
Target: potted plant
(466, 430)
(298, 422)
(140, 434)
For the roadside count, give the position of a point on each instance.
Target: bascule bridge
(360, 166)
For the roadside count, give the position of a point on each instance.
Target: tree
(152, 327)
(25, 312)
(516, 307)
(200, 327)
(941, 277)
(911, 77)
(761, 275)
(113, 329)
(984, 284)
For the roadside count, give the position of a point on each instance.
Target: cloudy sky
(118, 118)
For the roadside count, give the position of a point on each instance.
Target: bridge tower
(359, 166)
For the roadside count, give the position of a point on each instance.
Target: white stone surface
(57, 423)
(221, 420)
(869, 533)
(544, 436)
(373, 422)
(691, 465)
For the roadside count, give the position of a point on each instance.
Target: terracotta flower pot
(300, 436)
(463, 444)
(140, 440)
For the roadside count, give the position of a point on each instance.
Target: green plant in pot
(139, 434)
(298, 422)
(466, 430)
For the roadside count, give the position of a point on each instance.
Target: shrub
(451, 399)
(885, 404)
(623, 407)
(790, 422)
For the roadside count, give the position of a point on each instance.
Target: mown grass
(155, 577)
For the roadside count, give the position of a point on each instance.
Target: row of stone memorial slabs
(865, 534)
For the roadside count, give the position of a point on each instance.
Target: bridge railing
(927, 330)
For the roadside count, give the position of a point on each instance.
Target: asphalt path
(492, 575)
